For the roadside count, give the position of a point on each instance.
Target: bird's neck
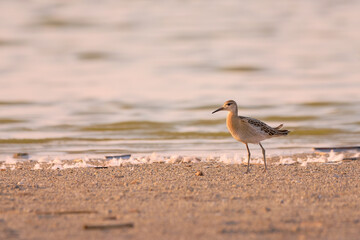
(232, 114)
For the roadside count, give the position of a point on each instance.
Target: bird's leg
(247, 147)
(263, 152)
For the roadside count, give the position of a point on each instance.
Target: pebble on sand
(199, 173)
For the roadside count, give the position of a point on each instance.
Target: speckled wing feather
(264, 127)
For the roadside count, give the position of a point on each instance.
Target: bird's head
(230, 106)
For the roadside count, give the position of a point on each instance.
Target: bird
(249, 130)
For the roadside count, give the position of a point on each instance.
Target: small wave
(10, 42)
(202, 122)
(289, 118)
(10, 120)
(15, 103)
(48, 140)
(317, 131)
(211, 108)
(93, 56)
(191, 135)
(322, 104)
(52, 22)
(203, 107)
(126, 126)
(240, 68)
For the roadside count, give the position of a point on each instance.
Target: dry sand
(171, 201)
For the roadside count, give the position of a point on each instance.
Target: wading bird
(249, 130)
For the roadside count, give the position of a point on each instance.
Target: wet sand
(172, 201)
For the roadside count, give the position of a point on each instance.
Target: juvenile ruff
(249, 130)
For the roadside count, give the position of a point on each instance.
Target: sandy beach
(85, 83)
(206, 200)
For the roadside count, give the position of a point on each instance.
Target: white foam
(56, 162)
(44, 159)
(320, 159)
(286, 161)
(333, 157)
(156, 158)
(37, 167)
(237, 159)
(79, 163)
(114, 162)
(175, 159)
(11, 161)
(231, 160)
(187, 159)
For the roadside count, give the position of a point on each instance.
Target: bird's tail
(283, 132)
(280, 132)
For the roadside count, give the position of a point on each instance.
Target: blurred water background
(101, 77)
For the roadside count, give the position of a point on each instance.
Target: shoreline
(69, 161)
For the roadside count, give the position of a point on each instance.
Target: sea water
(112, 77)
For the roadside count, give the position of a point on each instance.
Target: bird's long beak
(219, 109)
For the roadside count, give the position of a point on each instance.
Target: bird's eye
(228, 104)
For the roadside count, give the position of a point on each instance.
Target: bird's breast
(242, 131)
(233, 124)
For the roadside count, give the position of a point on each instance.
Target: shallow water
(139, 77)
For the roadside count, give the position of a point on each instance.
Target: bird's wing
(261, 126)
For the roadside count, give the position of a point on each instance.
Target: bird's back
(251, 130)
